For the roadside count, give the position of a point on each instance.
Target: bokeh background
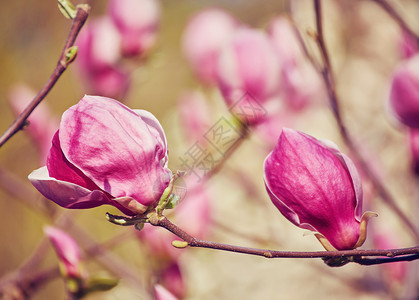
(364, 48)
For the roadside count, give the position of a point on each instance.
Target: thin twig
(62, 64)
(396, 16)
(327, 73)
(358, 256)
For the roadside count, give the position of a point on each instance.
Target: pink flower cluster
(129, 29)
(246, 62)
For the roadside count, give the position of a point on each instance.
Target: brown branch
(358, 256)
(327, 73)
(396, 16)
(62, 64)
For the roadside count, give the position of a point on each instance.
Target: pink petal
(60, 168)
(66, 194)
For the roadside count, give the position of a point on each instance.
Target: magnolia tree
(279, 122)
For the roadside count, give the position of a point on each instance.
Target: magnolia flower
(105, 153)
(67, 250)
(404, 94)
(137, 22)
(205, 35)
(317, 187)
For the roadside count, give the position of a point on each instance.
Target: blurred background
(364, 44)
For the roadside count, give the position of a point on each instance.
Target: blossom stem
(357, 256)
(62, 64)
(328, 77)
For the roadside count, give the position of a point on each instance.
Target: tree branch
(358, 256)
(396, 16)
(65, 59)
(327, 73)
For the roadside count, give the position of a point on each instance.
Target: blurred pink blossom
(414, 148)
(301, 85)
(395, 273)
(404, 93)
(195, 115)
(67, 250)
(248, 68)
(316, 187)
(408, 45)
(105, 153)
(171, 278)
(99, 59)
(42, 124)
(270, 129)
(204, 36)
(137, 22)
(162, 293)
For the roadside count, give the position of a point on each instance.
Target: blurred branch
(244, 134)
(66, 57)
(345, 256)
(99, 251)
(396, 16)
(327, 73)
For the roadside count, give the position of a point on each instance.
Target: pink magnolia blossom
(137, 22)
(99, 59)
(300, 83)
(404, 94)
(248, 72)
(67, 250)
(42, 124)
(162, 293)
(205, 35)
(316, 187)
(105, 153)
